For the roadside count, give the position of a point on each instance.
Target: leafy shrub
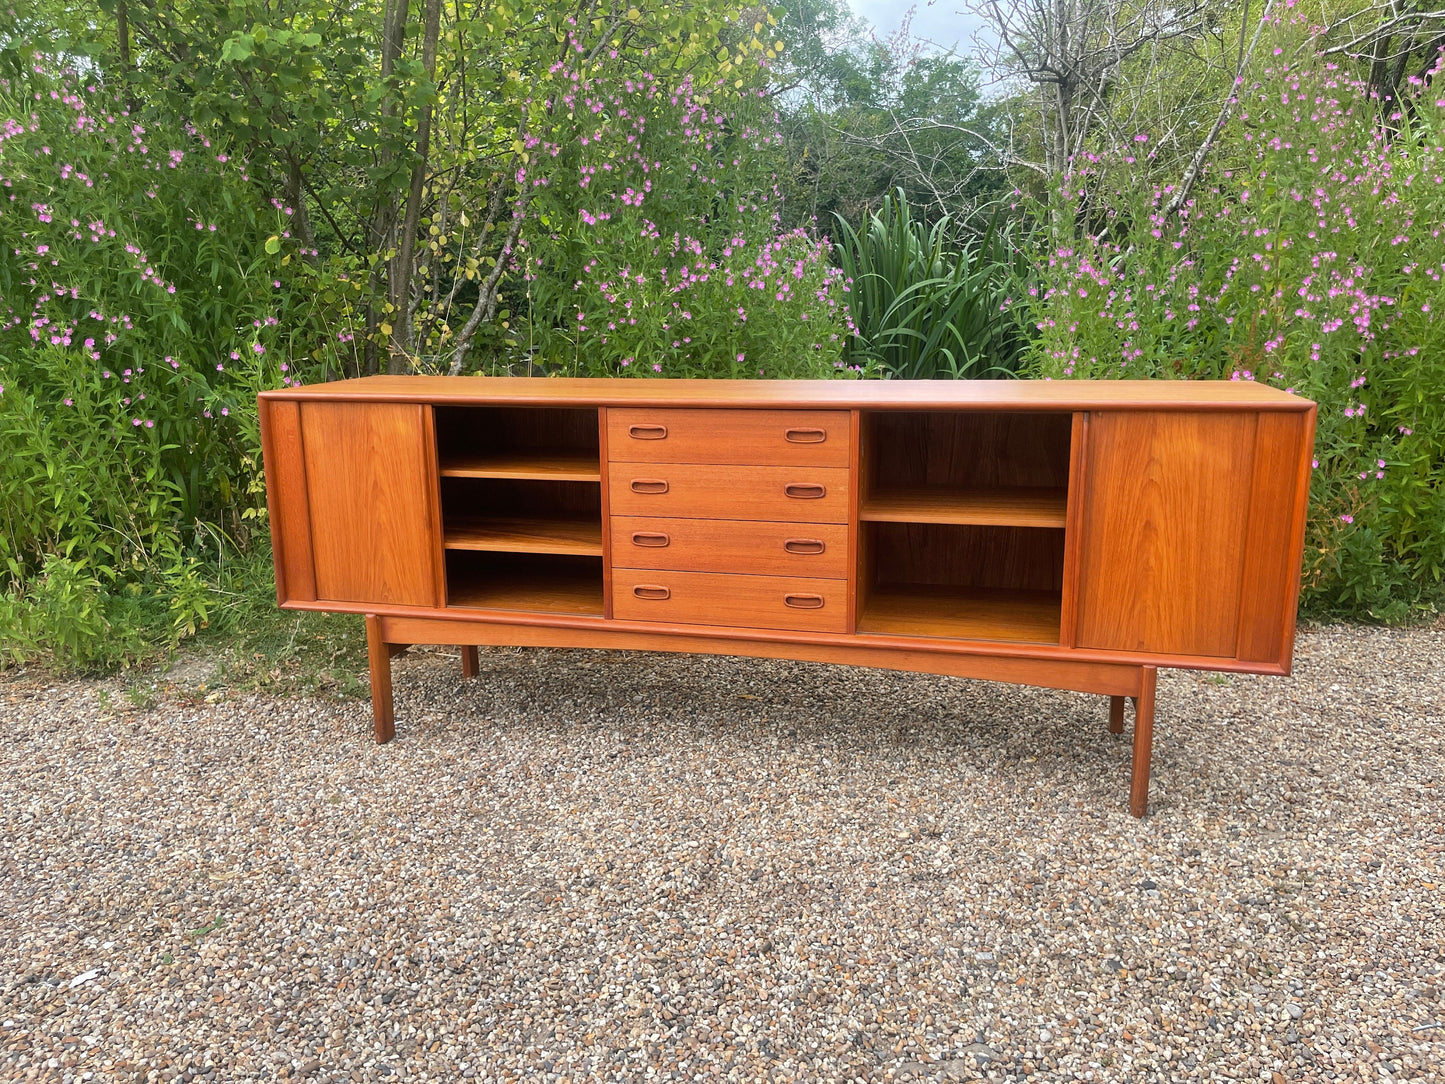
(1309, 257)
(921, 307)
(664, 255)
(143, 309)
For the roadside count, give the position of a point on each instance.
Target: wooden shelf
(539, 586)
(988, 507)
(524, 534)
(962, 613)
(543, 466)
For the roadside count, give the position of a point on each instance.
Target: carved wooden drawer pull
(647, 432)
(803, 602)
(650, 538)
(804, 545)
(805, 491)
(649, 485)
(651, 591)
(801, 435)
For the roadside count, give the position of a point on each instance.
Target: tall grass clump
(922, 306)
(1310, 257)
(149, 290)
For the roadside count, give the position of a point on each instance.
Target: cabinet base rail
(387, 637)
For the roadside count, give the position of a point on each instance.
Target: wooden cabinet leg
(471, 666)
(1143, 743)
(1116, 715)
(380, 659)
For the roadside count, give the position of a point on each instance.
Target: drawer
(815, 438)
(819, 550)
(707, 491)
(705, 598)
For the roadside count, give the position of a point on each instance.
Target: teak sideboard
(1074, 535)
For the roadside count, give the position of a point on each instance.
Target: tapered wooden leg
(471, 666)
(1143, 743)
(1116, 715)
(380, 659)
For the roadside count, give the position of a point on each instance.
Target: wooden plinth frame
(387, 637)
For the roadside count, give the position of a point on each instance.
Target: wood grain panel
(757, 547)
(1032, 507)
(949, 451)
(1278, 497)
(371, 498)
(924, 554)
(965, 613)
(549, 584)
(1166, 505)
(1078, 443)
(816, 438)
(525, 534)
(961, 660)
(728, 492)
(972, 395)
(286, 505)
(761, 602)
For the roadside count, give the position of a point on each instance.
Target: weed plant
(1310, 257)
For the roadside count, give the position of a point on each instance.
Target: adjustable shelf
(525, 534)
(520, 581)
(1019, 506)
(962, 613)
(541, 466)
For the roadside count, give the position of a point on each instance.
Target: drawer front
(706, 491)
(817, 438)
(819, 550)
(754, 602)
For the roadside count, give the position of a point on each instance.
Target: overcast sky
(938, 22)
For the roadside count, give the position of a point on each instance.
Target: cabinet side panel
(371, 503)
(1272, 549)
(1163, 531)
(286, 501)
(1069, 610)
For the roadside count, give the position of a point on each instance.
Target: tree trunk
(122, 33)
(384, 214)
(401, 344)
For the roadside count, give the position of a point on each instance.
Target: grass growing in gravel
(260, 646)
(247, 643)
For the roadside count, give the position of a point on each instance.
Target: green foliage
(666, 259)
(141, 315)
(1310, 257)
(922, 307)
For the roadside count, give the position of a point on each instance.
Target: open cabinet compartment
(522, 516)
(961, 532)
(539, 583)
(994, 468)
(961, 581)
(521, 498)
(543, 443)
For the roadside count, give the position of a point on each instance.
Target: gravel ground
(599, 866)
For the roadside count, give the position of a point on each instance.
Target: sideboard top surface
(845, 394)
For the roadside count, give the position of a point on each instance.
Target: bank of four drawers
(730, 517)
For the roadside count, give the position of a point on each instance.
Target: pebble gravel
(598, 866)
